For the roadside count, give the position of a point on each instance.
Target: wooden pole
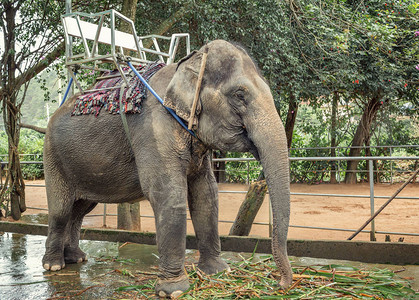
(197, 90)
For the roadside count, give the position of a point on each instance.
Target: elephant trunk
(268, 135)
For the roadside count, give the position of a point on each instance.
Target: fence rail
(372, 197)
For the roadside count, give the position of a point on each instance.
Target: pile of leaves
(251, 279)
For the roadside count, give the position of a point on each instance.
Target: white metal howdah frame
(100, 43)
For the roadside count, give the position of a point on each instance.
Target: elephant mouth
(255, 153)
(250, 145)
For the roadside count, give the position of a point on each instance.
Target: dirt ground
(320, 211)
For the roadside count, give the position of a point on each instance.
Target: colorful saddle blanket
(133, 94)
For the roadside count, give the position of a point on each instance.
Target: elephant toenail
(162, 294)
(176, 294)
(55, 268)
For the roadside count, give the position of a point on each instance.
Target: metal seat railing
(100, 43)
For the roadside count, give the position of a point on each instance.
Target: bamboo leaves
(257, 278)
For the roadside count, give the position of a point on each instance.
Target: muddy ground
(321, 211)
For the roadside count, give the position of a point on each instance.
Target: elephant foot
(172, 287)
(213, 265)
(74, 255)
(52, 264)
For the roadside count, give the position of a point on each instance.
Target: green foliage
(395, 125)
(30, 148)
(3, 143)
(242, 171)
(306, 50)
(34, 109)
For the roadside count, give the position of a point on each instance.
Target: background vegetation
(343, 72)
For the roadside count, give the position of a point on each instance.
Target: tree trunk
(291, 117)
(129, 216)
(220, 168)
(169, 22)
(333, 137)
(13, 190)
(14, 185)
(249, 209)
(362, 132)
(129, 9)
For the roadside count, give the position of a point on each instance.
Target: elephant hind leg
(64, 222)
(72, 251)
(58, 220)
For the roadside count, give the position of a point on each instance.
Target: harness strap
(174, 115)
(68, 90)
(197, 89)
(121, 112)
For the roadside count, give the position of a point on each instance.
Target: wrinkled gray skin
(89, 160)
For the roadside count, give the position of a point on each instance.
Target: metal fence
(387, 171)
(372, 197)
(305, 171)
(371, 171)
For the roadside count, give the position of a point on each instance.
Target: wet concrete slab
(110, 266)
(22, 275)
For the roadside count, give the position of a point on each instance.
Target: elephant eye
(240, 94)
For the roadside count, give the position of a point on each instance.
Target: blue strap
(68, 90)
(174, 115)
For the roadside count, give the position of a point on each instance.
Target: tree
(23, 56)
(32, 38)
(385, 52)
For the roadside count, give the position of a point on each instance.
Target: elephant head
(236, 112)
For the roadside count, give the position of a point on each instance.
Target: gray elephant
(90, 160)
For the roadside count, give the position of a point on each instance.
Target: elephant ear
(181, 89)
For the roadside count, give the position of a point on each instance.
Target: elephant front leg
(169, 205)
(203, 207)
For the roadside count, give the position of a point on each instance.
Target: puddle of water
(20, 263)
(22, 275)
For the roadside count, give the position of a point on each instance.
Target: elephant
(90, 160)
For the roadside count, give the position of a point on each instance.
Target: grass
(251, 279)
